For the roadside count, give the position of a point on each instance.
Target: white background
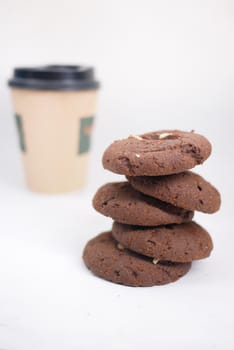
(162, 64)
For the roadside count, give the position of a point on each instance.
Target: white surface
(48, 299)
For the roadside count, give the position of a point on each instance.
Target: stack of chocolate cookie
(153, 239)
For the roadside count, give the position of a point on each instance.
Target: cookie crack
(194, 151)
(127, 163)
(106, 202)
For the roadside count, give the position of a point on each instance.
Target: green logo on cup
(86, 124)
(19, 124)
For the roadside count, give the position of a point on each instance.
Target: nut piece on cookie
(120, 247)
(164, 135)
(155, 261)
(135, 137)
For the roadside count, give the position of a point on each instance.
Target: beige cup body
(54, 131)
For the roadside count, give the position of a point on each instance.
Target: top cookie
(156, 153)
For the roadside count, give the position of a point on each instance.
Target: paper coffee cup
(54, 111)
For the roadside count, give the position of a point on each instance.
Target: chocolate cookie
(180, 243)
(186, 190)
(103, 257)
(124, 204)
(156, 153)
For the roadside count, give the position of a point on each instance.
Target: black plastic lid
(54, 77)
